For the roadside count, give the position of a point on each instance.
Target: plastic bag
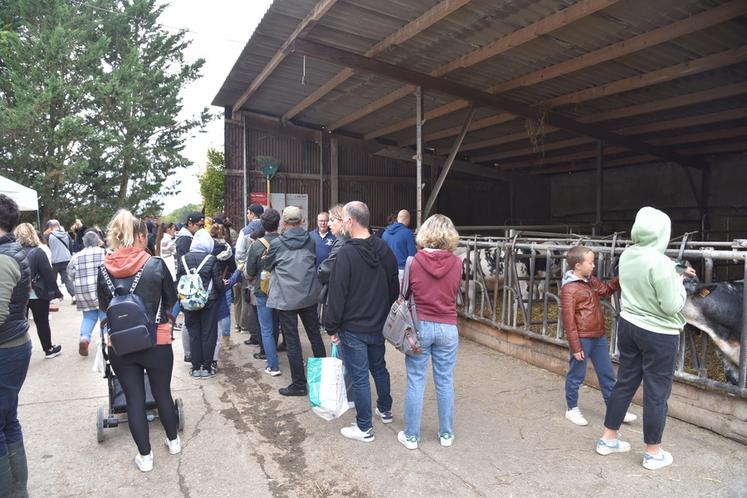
(326, 383)
(98, 361)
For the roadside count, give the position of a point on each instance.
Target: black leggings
(40, 310)
(158, 362)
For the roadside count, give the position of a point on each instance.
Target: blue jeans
(264, 314)
(598, 351)
(361, 353)
(440, 342)
(14, 363)
(90, 317)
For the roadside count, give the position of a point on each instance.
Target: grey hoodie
(59, 244)
(570, 277)
(292, 260)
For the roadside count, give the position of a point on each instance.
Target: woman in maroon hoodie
(128, 237)
(434, 279)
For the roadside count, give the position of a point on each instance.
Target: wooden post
(419, 154)
(245, 167)
(321, 174)
(334, 178)
(449, 161)
(600, 188)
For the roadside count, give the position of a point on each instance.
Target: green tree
(89, 104)
(48, 61)
(180, 214)
(212, 182)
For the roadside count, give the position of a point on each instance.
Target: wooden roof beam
(740, 146)
(311, 18)
(672, 124)
(361, 63)
(589, 154)
(409, 30)
(523, 35)
(688, 68)
(698, 22)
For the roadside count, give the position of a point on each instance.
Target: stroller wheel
(100, 424)
(179, 406)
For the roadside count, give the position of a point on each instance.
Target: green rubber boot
(18, 469)
(5, 476)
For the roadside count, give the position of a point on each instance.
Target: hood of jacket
(224, 251)
(60, 235)
(395, 228)
(295, 238)
(202, 242)
(183, 232)
(436, 263)
(369, 250)
(571, 277)
(125, 262)
(652, 228)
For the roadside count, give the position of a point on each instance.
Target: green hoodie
(652, 291)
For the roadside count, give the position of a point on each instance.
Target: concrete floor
(243, 439)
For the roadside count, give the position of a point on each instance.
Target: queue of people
(342, 280)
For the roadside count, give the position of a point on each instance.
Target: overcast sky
(219, 29)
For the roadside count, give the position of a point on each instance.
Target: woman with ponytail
(128, 239)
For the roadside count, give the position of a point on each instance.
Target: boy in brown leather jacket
(583, 324)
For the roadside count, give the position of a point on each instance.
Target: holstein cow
(716, 309)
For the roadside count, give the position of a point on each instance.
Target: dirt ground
(243, 439)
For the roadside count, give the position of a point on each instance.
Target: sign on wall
(279, 201)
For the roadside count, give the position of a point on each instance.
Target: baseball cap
(292, 214)
(194, 217)
(256, 209)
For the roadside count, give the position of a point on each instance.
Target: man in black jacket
(362, 288)
(15, 349)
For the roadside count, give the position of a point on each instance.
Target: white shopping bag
(326, 383)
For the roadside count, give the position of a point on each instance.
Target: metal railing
(520, 291)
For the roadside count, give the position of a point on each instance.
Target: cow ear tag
(704, 292)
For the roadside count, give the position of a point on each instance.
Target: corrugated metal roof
(357, 25)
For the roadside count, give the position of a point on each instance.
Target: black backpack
(127, 319)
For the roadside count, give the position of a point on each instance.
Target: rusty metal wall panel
(234, 160)
(294, 154)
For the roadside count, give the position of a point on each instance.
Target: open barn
(526, 122)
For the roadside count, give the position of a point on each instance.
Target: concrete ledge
(722, 413)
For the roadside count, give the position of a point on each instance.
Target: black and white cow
(716, 309)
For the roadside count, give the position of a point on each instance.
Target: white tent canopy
(24, 196)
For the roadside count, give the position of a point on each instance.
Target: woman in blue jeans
(83, 270)
(434, 278)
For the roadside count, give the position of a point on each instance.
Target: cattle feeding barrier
(513, 283)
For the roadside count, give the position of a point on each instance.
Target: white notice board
(279, 201)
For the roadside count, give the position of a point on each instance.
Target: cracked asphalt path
(243, 439)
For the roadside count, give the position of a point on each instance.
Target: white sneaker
(144, 462)
(271, 372)
(446, 439)
(608, 447)
(386, 417)
(575, 416)
(630, 417)
(655, 462)
(411, 443)
(353, 432)
(175, 446)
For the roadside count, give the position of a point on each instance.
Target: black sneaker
(253, 341)
(187, 358)
(259, 356)
(53, 352)
(214, 366)
(292, 391)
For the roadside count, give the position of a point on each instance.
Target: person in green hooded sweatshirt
(648, 335)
